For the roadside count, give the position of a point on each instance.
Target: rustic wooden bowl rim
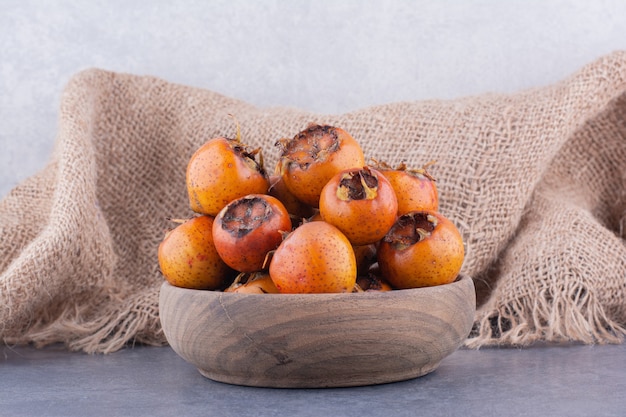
(347, 295)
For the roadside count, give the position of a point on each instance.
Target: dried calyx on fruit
(245, 215)
(423, 248)
(361, 203)
(357, 185)
(402, 166)
(249, 155)
(313, 144)
(313, 156)
(248, 228)
(410, 229)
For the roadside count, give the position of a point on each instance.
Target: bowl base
(326, 382)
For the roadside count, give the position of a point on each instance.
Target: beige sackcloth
(535, 181)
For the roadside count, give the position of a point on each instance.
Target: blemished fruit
(415, 188)
(324, 222)
(222, 170)
(248, 228)
(312, 157)
(422, 249)
(361, 203)
(315, 258)
(188, 258)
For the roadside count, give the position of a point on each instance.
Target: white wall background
(326, 56)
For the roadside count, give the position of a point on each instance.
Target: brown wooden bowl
(317, 340)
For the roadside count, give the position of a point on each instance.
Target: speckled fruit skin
(435, 260)
(188, 259)
(305, 174)
(362, 221)
(247, 252)
(315, 258)
(217, 174)
(414, 191)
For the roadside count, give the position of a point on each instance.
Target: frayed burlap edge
(540, 318)
(119, 324)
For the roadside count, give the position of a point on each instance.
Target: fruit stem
(177, 221)
(424, 170)
(380, 164)
(261, 163)
(268, 259)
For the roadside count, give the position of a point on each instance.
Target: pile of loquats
(324, 222)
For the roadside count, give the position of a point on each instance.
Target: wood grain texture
(317, 340)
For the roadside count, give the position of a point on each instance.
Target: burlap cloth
(535, 181)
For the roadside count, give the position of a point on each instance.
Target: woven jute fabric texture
(535, 181)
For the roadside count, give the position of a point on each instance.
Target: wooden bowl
(317, 340)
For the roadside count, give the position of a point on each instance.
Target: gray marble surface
(325, 56)
(551, 381)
